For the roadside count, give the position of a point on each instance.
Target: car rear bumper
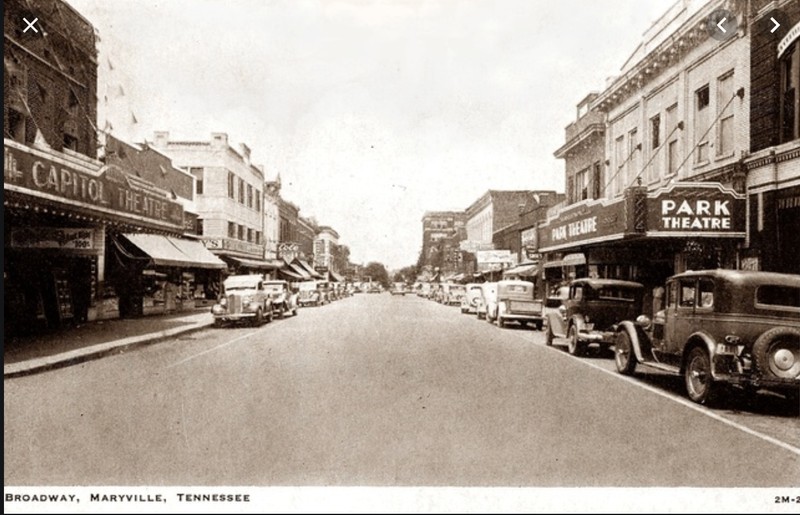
(520, 316)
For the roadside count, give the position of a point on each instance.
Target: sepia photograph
(401, 256)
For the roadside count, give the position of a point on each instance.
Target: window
(597, 181)
(633, 159)
(231, 182)
(725, 93)
(258, 200)
(672, 294)
(776, 295)
(70, 142)
(249, 196)
(198, 174)
(16, 125)
(701, 120)
(687, 294)
(199, 227)
(673, 154)
(654, 171)
(250, 235)
(706, 290)
(72, 103)
(231, 230)
(241, 232)
(241, 191)
(790, 99)
(619, 161)
(582, 185)
(258, 237)
(577, 293)
(571, 189)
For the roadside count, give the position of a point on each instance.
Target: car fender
(579, 322)
(639, 339)
(703, 339)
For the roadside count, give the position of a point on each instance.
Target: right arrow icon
(776, 25)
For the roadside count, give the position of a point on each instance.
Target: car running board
(660, 366)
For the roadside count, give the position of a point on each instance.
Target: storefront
(645, 236)
(59, 212)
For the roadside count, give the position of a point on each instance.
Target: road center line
(696, 407)
(211, 349)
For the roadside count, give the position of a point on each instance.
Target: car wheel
(500, 322)
(699, 383)
(294, 311)
(574, 345)
(259, 318)
(777, 353)
(270, 315)
(549, 337)
(281, 312)
(217, 323)
(624, 357)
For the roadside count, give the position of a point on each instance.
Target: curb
(100, 350)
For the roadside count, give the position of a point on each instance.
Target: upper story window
(725, 91)
(654, 170)
(258, 200)
(619, 161)
(249, 196)
(198, 175)
(582, 185)
(231, 230)
(241, 191)
(231, 185)
(673, 143)
(790, 99)
(702, 98)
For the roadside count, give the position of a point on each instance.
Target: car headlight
(643, 321)
(223, 301)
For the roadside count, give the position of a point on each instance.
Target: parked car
(514, 301)
(455, 293)
(720, 327)
(284, 300)
(424, 290)
(244, 297)
(488, 295)
(310, 294)
(398, 289)
(469, 303)
(591, 312)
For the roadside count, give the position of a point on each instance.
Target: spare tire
(777, 353)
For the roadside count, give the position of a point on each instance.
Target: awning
(336, 277)
(297, 269)
(168, 251)
(308, 268)
(554, 264)
(290, 274)
(523, 270)
(574, 259)
(259, 264)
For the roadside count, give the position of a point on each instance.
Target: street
(381, 390)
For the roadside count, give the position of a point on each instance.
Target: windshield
(274, 288)
(241, 283)
(616, 293)
(308, 286)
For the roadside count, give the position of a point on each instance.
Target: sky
(372, 112)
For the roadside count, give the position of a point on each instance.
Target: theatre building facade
(671, 195)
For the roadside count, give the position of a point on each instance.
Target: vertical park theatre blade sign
(107, 190)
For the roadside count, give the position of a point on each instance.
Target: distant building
(442, 231)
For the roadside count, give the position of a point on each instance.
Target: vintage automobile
(398, 289)
(455, 293)
(244, 297)
(514, 301)
(469, 302)
(311, 293)
(284, 300)
(717, 328)
(591, 311)
(488, 295)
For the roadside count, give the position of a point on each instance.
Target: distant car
(488, 296)
(284, 300)
(591, 312)
(472, 293)
(720, 327)
(515, 302)
(455, 294)
(244, 298)
(310, 294)
(398, 289)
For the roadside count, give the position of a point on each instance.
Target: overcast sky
(373, 112)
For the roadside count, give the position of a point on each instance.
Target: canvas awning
(175, 252)
(336, 277)
(259, 264)
(574, 259)
(523, 270)
(308, 268)
(296, 269)
(291, 275)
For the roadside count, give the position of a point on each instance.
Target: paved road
(378, 390)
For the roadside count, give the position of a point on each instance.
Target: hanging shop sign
(53, 238)
(243, 247)
(696, 209)
(491, 260)
(109, 189)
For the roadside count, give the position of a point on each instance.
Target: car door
(558, 316)
(679, 317)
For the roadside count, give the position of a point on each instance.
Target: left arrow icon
(719, 25)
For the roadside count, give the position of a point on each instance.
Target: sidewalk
(40, 352)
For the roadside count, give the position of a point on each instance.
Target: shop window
(790, 99)
(725, 106)
(702, 99)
